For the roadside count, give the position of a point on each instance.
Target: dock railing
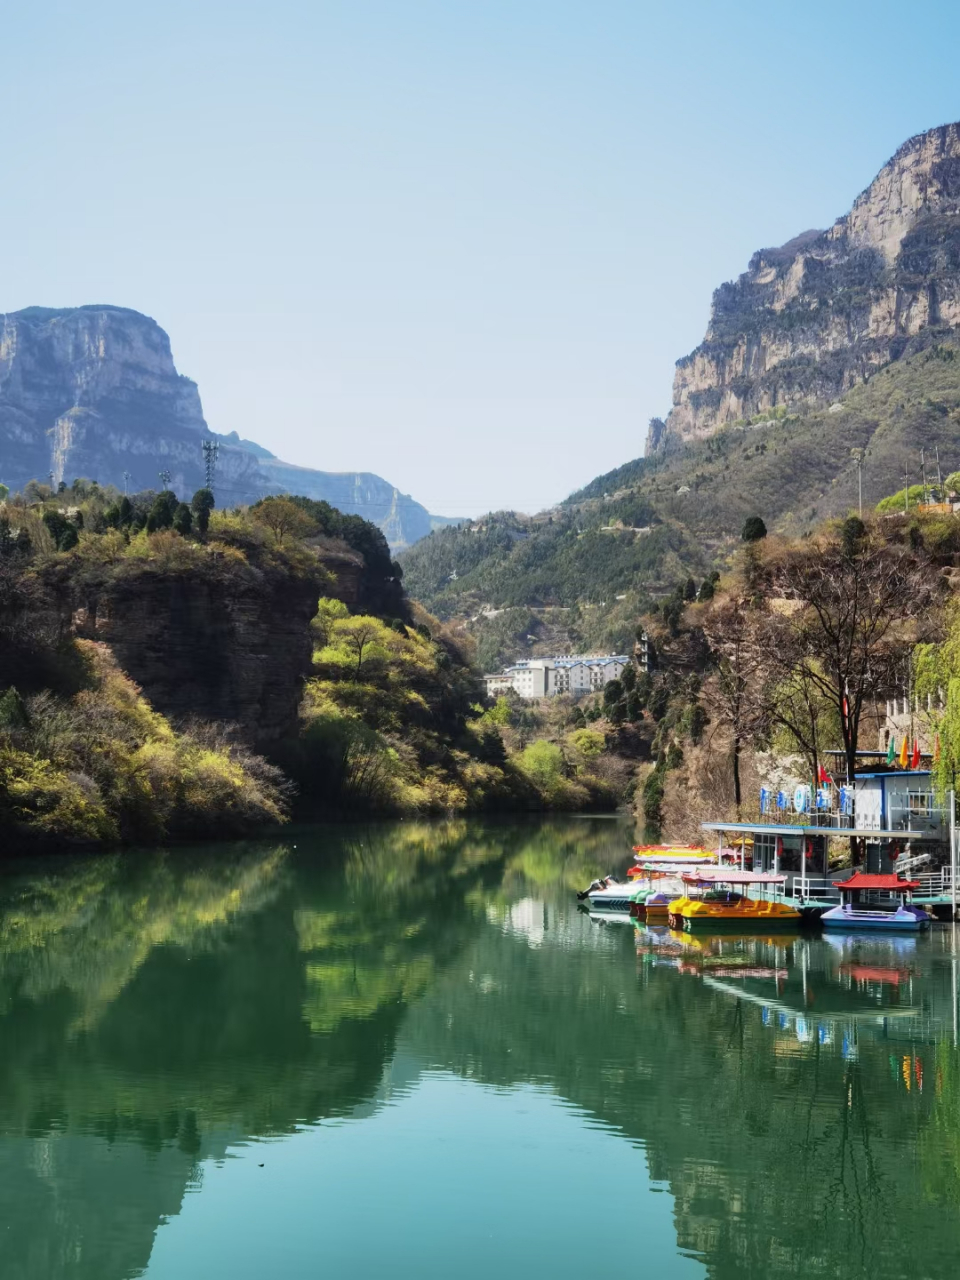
(799, 887)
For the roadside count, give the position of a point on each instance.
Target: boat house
(893, 813)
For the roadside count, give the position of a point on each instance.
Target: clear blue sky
(458, 244)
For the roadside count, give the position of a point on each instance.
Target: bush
(102, 765)
(753, 529)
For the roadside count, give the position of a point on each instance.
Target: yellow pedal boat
(717, 898)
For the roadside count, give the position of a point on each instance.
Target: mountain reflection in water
(432, 989)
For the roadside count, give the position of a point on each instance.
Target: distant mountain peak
(93, 391)
(811, 319)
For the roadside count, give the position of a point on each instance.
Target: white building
(544, 677)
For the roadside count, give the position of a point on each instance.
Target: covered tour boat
(869, 901)
(716, 897)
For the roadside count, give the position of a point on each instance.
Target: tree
(753, 529)
(360, 636)
(852, 533)
(183, 520)
(690, 590)
(706, 592)
(612, 692)
(201, 504)
(160, 515)
(284, 518)
(63, 533)
(736, 693)
(847, 625)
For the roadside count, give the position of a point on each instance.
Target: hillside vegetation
(639, 530)
(240, 631)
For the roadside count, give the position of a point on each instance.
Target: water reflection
(799, 1097)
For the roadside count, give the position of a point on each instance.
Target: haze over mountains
(841, 340)
(93, 391)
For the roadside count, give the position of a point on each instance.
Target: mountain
(840, 341)
(93, 391)
(810, 320)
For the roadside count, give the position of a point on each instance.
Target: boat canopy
(654, 862)
(674, 852)
(866, 880)
(722, 875)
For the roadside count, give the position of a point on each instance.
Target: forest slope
(636, 531)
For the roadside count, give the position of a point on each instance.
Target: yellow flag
(904, 753)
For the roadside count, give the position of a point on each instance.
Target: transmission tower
(127, 477)
(210, 450)
(165, 478)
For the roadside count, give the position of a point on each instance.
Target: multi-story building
(575, 674)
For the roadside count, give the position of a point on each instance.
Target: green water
(401, 1050)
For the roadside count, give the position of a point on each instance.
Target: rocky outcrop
(815, 317)
(229, 644)
(94, 392)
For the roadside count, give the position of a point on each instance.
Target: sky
(460, 245)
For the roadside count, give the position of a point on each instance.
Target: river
(402, 1050)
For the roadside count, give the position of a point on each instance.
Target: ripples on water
(403, 1050)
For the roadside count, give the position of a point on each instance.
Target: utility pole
(939, 475)
(858, 454)
(210, 450)
(923, 478)
(906, 490)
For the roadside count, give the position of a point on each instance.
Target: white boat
(611, 895)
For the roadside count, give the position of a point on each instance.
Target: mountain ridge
(782, 443)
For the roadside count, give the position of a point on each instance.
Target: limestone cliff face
(815, 317)
(94, 392)
(231, 645)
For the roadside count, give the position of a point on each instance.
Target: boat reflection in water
(856, 984)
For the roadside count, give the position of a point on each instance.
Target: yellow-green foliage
(936, 667)
(103, 765)
(911, 497)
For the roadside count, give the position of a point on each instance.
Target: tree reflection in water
(800, 1101)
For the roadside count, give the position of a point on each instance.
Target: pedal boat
(713, 900)
(893, 911)
(660, 879)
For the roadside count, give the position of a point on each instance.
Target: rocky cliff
(94, 392)
(815, 317)
(232, 648)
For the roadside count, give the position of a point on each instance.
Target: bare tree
(854, 603)
(736, 696)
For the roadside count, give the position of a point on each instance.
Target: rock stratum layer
(94, 392)
(812, 319)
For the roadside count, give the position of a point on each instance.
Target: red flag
(936, 750)
(823, 777)
(915, 760)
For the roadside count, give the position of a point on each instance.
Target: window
(920, 804)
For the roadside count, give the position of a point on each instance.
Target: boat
(712, 900)
(873, 901)
(654, 907)
(608, 894)
(669, 858)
